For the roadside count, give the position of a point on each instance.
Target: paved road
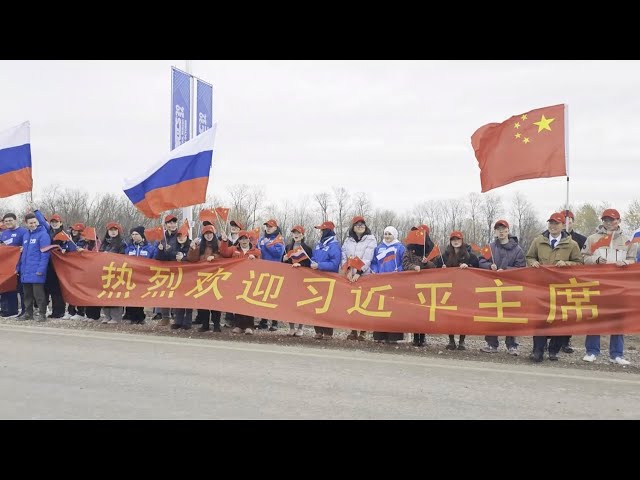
(49, 373)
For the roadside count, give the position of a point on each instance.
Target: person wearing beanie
(139, 247)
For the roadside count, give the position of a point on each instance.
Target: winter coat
(32, 259)
(388, 258)
(617, 251)
(327, 254)
(566, 250)
(144, 249)
(509, 255)
(363, 249)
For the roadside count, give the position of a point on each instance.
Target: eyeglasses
(359, 225)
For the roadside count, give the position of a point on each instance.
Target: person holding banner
(166, 250)
(505, 254)
(326, 258)
(139, 247)
(183, 315)
(12, 236)
(111, 243)
(457, 255)
(416, 258)
(361, 244)
(34, 260)
(608, 246)
(298, 254)
(272, 250)
(552, 247)
(387, 258)
(206, 249)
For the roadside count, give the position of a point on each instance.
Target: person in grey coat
(505, 254)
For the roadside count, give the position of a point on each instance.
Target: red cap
(116, 225)
(501, 223)
(78, 227)
(326, 226)
(612, 213)
(456, 234)
(55, 217)
(357, 219)
(243, 233)
(271, 223)
(208, 229)
(236, 223)
(299, 228)
(569, 214)
(556, 217)
(169, 218)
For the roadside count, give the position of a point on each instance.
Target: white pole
(187, 212)
(566, 158)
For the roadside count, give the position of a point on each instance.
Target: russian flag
(178, 180)
(15, 161)
(298, 255)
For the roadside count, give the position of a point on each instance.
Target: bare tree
(474, 205)
(491, 209)
(632, 216)
(362, 205)
(342, 203)
(524, 223)
(323, 199)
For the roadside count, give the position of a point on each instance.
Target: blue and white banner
(180, 107)
(204, 107)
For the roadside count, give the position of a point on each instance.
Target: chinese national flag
(207, 216)
(61, 237)
(486, 252)
(476, 248)
(415, 237)
(354, 262)
(89, 233)
(223, 213)
(529, 145)
(605, 241)
(254, 234)
(433, 254)
(154, 234)
(184, 228)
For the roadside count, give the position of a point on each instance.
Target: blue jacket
(32, 260)
(272, 253)
(327, 254)
(144, 249)
(13, 238)
(378, 265)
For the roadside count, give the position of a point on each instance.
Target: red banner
(9, 257)
(526, 301)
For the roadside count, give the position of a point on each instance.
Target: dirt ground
(435, 343)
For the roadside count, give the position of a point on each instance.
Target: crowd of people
(560, 245)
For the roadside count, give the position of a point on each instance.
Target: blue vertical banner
(204, 107)
(180, 107)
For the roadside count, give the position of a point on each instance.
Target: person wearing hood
(32, 267)
(326, 257)
(387, 258)
(457, 255)
(360, 243)
(620, 252)
(505, 254)
(272, 250)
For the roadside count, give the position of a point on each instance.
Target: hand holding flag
(604, 241)
(155, 234)
(355, 263)
(435, 252)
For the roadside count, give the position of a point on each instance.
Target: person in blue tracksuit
(139, 247)
(12, 237)
(33, 267)
(326, 257)
(272, 250)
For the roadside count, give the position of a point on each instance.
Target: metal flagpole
(187, 212)
(566, 158)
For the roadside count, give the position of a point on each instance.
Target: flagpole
(566, 157)
(187, 212)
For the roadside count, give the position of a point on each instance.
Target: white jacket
(363, 250)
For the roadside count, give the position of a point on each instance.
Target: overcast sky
(398, 130)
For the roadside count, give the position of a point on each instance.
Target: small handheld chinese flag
(62, 237)
(355, 263)
(435, 252)
(476, 248)
(184, 228)
(528, 145)
(223, 213)
(415, 237)
(154, 234)
(604, 241)
(89, 233)
(254, 234)
(207, 216)
(486, 252)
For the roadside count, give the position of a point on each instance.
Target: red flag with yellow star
(529, 145)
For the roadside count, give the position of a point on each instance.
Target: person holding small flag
(504, 253)
(139, 247)
(457, 255)
(360, 245)
(12, 236)
(608, 245)
(272, 250)
(166, 250)
(417, 257)
(387, 258)
(326, 258)
(32, 268)
(298, 254)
